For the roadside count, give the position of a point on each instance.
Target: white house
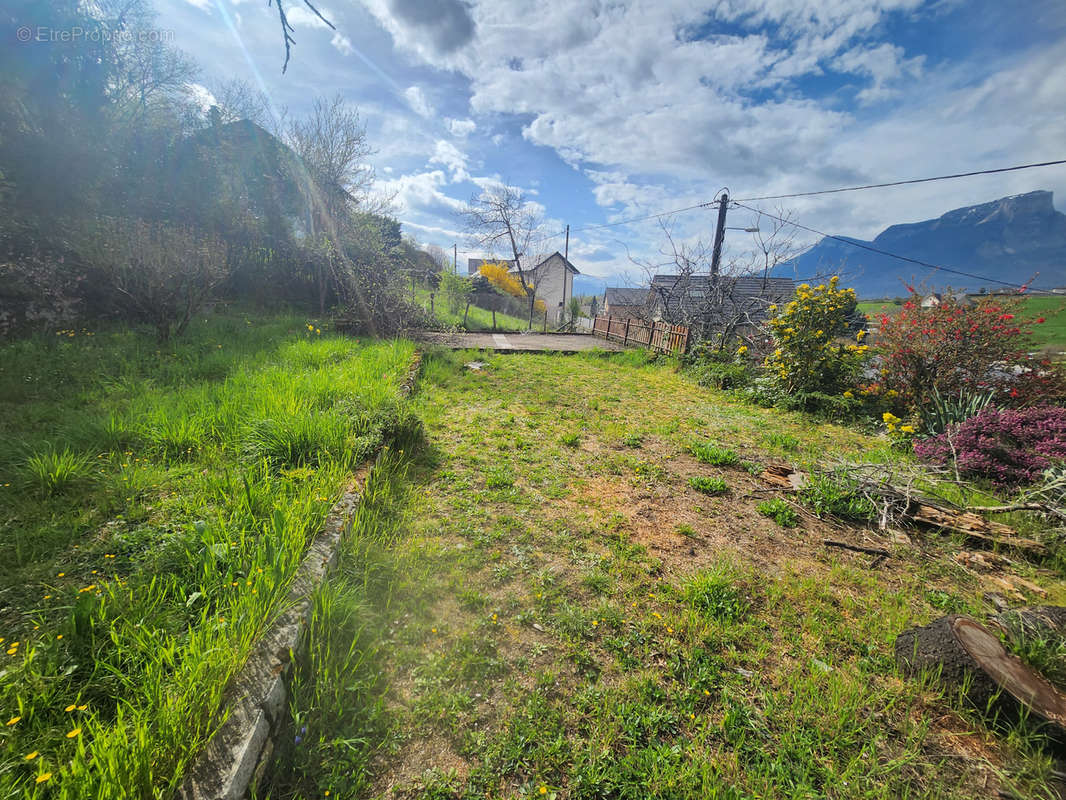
(553, 278)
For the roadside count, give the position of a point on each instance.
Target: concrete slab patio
(519, 342)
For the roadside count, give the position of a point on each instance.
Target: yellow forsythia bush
(813, 351)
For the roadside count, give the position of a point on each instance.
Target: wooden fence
(659, 336)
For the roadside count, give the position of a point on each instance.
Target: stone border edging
(240, 751)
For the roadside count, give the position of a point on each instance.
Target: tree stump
(963, 649)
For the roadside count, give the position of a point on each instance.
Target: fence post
(626, 339)
(688, 333)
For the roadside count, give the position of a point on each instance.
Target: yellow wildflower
(848, 394)
(73, 733)
(13, 720)
(906, 428)
(31, 756)
(43, 777)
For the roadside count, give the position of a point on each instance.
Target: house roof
(743, 285)
(625, 296)
(562, 258)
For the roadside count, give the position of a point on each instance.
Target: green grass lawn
(155, 501)
(478, 319)
(578, 588)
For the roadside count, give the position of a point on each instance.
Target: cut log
(969, 655)
(975, 527)
(784, 477)
(961, 521)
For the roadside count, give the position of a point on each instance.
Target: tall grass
(338, 703)
(152, 528)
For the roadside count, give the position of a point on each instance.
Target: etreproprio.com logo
(43, 33)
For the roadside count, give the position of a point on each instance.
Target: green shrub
(722, 376)
(708, 485)
(633, 440)
(779, 511)
(836, 494)
(713, 454)
(571, 439)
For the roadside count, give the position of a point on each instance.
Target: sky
(605, 110)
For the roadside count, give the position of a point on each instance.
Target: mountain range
(1011, 239)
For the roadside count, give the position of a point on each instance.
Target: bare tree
(331, 141)
(237, 100)
(440, 258)
(774, 244)
(721, 307)
(501, 219)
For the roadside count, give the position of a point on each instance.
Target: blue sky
(605, 110)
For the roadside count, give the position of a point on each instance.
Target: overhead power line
(917, 261)
(709, 203)
(628, 221)
(904, 183)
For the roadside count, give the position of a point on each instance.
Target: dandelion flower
(82, 708)
(31, 756)
(543, 789)
(13, 720)
(43, 777)
(71, 707)
(73, 733)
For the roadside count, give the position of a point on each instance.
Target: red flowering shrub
(962, 348)
(1008, 447)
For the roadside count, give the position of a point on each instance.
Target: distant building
(935, 300)
(553, 278)
(696, 301)
(625, 303)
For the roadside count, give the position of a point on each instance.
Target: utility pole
(719, 235)
(566, 250)
(455, 258)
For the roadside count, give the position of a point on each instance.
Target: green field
(478, 319)
(155, 501)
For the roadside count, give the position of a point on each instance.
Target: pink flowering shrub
(1008, 447)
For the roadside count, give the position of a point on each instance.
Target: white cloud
(342, 43)
(300, 16)
(416, 98)
(420, 194)
(448, 155)
(460, 127)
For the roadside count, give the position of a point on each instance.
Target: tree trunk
(969, 655)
